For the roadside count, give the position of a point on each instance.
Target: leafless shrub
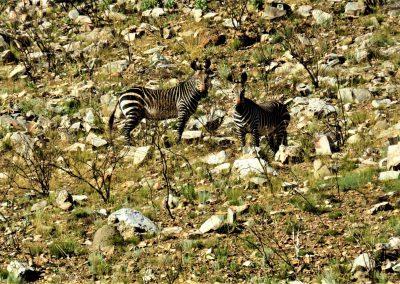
(29, 165)
(306, 50)
(95, 169)
(236, 9)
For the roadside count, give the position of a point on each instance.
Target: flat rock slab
(389, 175)
(383, 206)
(363, 261)
(213, 223)
(134, 220)
(252, 166)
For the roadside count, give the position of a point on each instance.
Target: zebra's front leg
(183, 118)
(131, 121)
(256, 137)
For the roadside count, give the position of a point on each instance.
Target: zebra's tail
(111, 122)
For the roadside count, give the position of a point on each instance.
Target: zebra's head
(202, 76)
(239, 88)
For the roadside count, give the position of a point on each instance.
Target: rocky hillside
(77, 206)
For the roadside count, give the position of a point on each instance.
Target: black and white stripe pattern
(269, 119)
(178, 102)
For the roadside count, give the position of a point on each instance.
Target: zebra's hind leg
(132, 120)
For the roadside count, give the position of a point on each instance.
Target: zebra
(179, 102)
(269, 119)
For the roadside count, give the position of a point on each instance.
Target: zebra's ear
(243, 77)
(194, 65)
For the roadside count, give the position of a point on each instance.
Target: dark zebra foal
(269, 119)
(178, 102)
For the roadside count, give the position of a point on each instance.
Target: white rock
(394, 243)
(191, 135)
(116, 66)
(197, 13)
(130, 219)
(393, 156)
(213, 223)
(322, 146)
(223, 168)
(271, 13)
(76, 147)
(354, 139)
(230, 23)
(354, 8)
(321, 17)
(231, 216)
(320, 170)
(396, 268)
(363, 261)
(73, 14)
(379, 104)
(304, 11)
(361, 95)
(20, 270)
(39, 206)
(83, 20)
(95, 141)
(137, 155)
(248, 166)
(383, 206)
(17, 71)
(64, 200)
(286, 152)
(171, 231)
(215, 159)
(389, 175)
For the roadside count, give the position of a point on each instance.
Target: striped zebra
(178, 102)
(269, 119)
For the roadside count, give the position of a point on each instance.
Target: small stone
(116, 66)
(223, 168)
(171, 232)
(138, 155)
(104, 238)
(22, 271)
(287, 153)
(248, 166)
(394, 243)
(64, 200)
(230, 23)
(389, 175)
(304, 10)
(213, 223)
(393, 157)
(17, 71)
(39, 206)
(363, 261)
(383, 206)
(231, 217)
(354, 139)
(73, 14)
(95, 141)
(322, 146)
(354, 8)
(321, 17)
(320, 170)
(271, 13)
(190, 135)
(381, 104)
(215, 159)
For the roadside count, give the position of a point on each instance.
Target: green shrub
(64, 248)
(148, 4)
(200, 4)
(97, 265)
